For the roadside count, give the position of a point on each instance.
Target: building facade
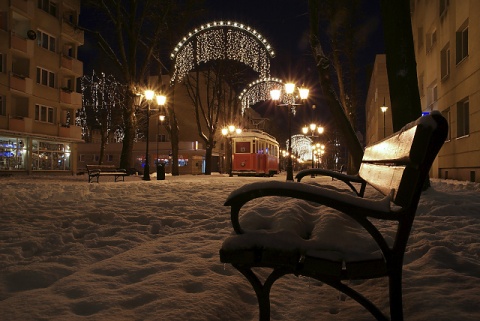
(447, 43)
(39, 70)
(446, 36)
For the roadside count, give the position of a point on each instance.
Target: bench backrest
(401, 162)
(100, 167)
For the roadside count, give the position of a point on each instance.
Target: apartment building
(446, 36)
(39, 71)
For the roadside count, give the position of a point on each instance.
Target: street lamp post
(160, 120)
(161, 99)
(384, 111)
(227, 132)
(289, 91)
(149, 94)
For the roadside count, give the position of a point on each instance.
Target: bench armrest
(356, 207)
(347, 179)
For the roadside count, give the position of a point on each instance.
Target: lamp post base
(146, 173)
(289, 173)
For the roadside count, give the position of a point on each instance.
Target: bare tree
(102, 105)
(132, 43)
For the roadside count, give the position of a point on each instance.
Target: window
(48, 6)
(46, 41)
(421, 87)
(162, 138)
(45, 77)
(445, 61)
(420, 37)
(462, 44)
(431, 40)
(81, 158)
(432, 97)
(44, 114)
(446, 115)
(463, 127)
(3, 111)
(3, 20)
(50, 155)
(443, 5)
(109, 158)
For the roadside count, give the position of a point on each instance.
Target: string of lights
(258, 90)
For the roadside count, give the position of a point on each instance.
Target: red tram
(255, 153)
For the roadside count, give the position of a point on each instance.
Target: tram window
(242, 147)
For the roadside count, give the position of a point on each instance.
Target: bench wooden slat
(395, 148)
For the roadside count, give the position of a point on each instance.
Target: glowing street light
(161, 100)
(384, 111)
(227, 132)
(290, 103)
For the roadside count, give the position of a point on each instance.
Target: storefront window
(50, 156)
(12, 153)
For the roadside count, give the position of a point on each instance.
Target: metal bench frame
(397, 166)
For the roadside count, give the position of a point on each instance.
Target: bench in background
(397, 167)
(95, 171)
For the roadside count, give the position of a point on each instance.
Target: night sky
(285, 25)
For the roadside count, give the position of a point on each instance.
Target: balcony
(22, 5)
(72, 31)
(72, 64)
(21, 44)
(20, 124)
(74, 132)
(69, 97)
(21, 83)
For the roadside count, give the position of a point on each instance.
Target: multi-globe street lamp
(289, 100)
(314, 129)
(318, 149)
(161, 100)
(227, 132)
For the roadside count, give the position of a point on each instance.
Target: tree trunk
(335, 106)
(129, 130)
(401, 64)
(174, 140)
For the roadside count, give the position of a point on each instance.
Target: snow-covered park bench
(95, 171)
(394, 170)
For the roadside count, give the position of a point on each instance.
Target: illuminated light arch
(222, 40)
(258, 90)
(302, 146)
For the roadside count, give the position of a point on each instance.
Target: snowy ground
(139, 250)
